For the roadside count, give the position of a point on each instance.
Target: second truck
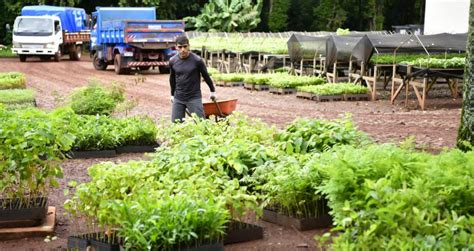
(131, 37)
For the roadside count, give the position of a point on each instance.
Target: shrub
(95, 99)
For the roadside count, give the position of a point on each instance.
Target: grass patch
(6, 52)
(12, 80)
(17, 96)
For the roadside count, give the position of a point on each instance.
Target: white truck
(50, 31)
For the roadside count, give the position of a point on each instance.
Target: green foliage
(309, 135)
(342, 32)
(278, 17)
(6, 52)
(283, 80)
(334, 89)
(232, 77)
(12, 80)
(329, 15)
(455, 62)
(30, 150)
(17, 96)
(238, 43)
(387, 197)
(391, 59)
(224, 15)
(95, 99)
(137, 131)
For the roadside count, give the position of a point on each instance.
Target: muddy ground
(432, 129)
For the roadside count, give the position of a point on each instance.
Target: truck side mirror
(57, 28)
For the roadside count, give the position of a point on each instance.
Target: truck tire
(164, 69)
(22, 58)
(117, 62)
(75, 52)
(98, 63)
(57, 56)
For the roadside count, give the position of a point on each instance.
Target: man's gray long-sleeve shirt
(185, 77)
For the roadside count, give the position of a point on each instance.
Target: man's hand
(213, 96)
(172, 99)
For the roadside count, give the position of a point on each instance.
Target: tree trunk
(466, 130)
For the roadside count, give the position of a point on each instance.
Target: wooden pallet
(47, 228)
(305, 95)
(249, 86)
(282, 91)
(356, 97)
(261, 87)
(328, 98)
(233, 84)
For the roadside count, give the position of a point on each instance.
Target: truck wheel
(22, 58)
(164, 69)
(117, 63)
(98, 63)
(57, 56)
(75, 52)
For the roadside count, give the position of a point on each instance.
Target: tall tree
(329, 15)
(227, 15)
(278, 15)
(466, 130)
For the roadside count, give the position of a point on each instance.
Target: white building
(446, 16)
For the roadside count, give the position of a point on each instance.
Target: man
(186, 69)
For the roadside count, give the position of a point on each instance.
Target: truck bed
(73, 37)
(141, 33)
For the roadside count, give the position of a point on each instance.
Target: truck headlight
(49, 45)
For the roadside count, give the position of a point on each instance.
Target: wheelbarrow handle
(218, 107)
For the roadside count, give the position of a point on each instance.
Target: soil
(432, 129)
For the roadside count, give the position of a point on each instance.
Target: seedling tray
(261, 87)
(233, 84)
(305, 95)
(301, 224)
(22, 216)
(93, 154)
(83, 243)
(249, 86)
(136, 149)
(242, 232)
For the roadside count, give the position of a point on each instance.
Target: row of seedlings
(13, 92)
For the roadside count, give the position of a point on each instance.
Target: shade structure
(306, 47)
(348, 48)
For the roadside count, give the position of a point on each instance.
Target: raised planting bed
(17, 212)
(305, 95)
(302, 224)
(238, 231)
(282, 91)
(356, 97)
(137, 149)
(328, 98)
(92, 154)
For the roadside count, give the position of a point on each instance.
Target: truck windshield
(33, 27)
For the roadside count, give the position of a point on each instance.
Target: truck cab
(50, 31)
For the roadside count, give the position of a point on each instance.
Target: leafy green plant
(95, 99)
(30, 152)
(220, 15)
(334, 89)
(284, 80)
(137, 131)
(398, 58)
(310, 135)
(17, 96)
(455, 62)
(6, 52)
(12, 80)
(239, 43)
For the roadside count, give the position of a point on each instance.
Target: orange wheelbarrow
(219, 109)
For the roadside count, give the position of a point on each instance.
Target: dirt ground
(432, 129)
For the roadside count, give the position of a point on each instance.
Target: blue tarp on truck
(72, 19)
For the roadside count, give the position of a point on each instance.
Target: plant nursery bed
(282, 91)
(305, 95)
(238, 231)
(356, 97)
(328, 98)
(301, 224)
(233, 84)
(93, 154)
(16, 213)
(46, 228)
(137, 149)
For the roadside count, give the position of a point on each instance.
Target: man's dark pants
(179, 107)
